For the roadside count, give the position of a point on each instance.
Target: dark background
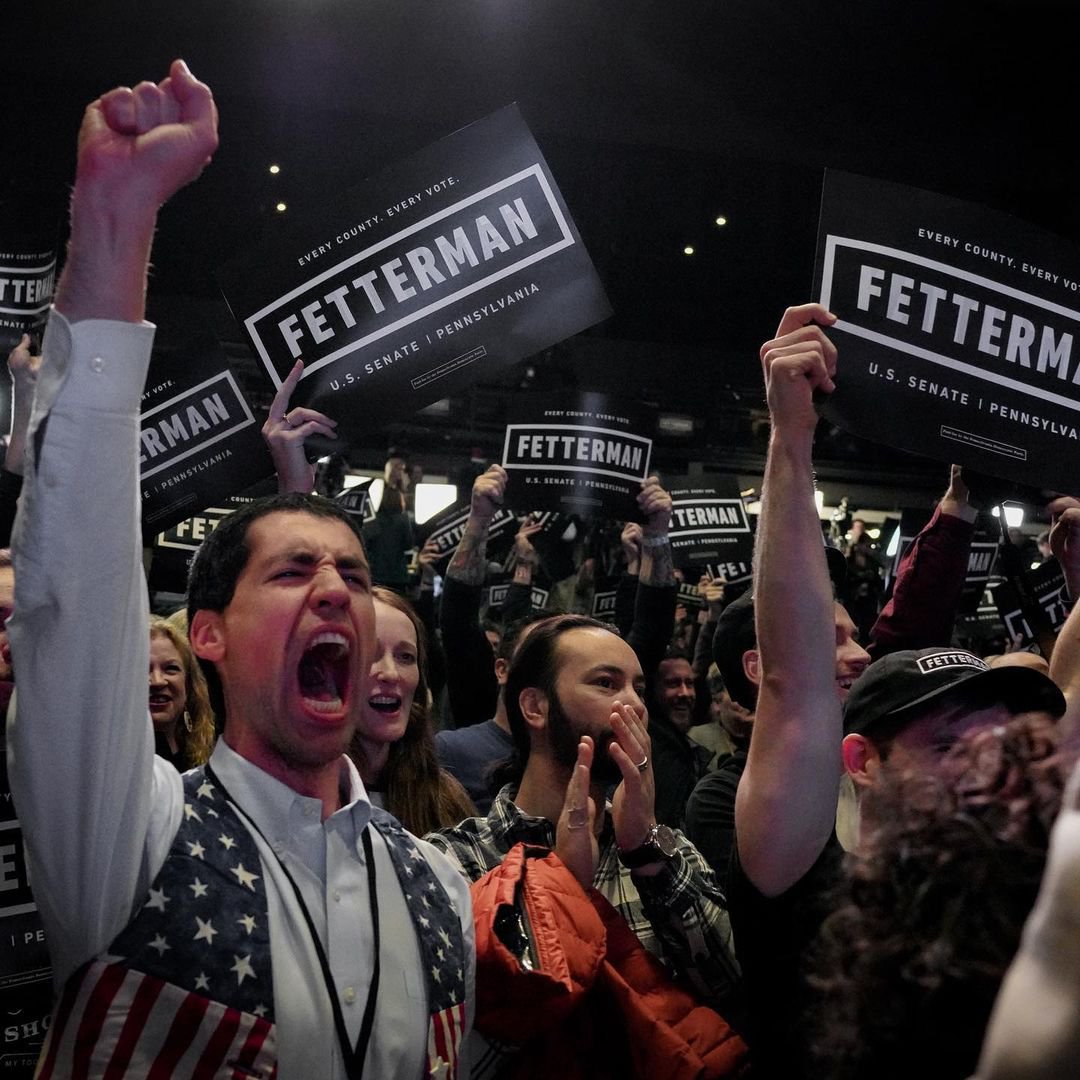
(654, 117)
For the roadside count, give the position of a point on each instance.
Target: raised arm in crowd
(236, 918)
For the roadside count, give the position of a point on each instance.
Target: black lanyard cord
(353, 1056)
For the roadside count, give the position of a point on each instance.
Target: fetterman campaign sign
(412, 285)
(1047, 582)
(25, 973)
(175, 547)
(27, 276)
(199, 441)
(448, 526)
(708, 522)
(958, 330)
(982, 556)
(578, 452)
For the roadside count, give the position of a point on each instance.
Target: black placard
(688, 595)
(1048, 584)
(175, 547)
(958, 331)
(709, 523)
(603, 601)
(982, 556)
(200, 440)
(738, 572)
(579, 452)
(27, 276)
(25, 972)
(357, 501)
(496, 594)
(408, 288)
(445, 529)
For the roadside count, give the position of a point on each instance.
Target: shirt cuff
(663, 887)
(951, 523)
(102, 362)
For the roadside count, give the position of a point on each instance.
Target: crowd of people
(375, 826)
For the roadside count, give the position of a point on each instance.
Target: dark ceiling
(654, 117)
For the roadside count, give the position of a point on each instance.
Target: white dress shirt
(99, 810)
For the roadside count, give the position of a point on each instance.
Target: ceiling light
(688, 250)
(1014, 515)
(281, 208)
(721, 221)
(275, 169)
(429, 499)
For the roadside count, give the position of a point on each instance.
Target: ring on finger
(643, 764)
(577, 817)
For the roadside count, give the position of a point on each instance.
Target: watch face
(665, 840)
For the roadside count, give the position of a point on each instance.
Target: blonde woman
(184, 731)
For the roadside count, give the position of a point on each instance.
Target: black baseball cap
(898, 685)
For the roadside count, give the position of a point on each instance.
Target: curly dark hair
(929, 915)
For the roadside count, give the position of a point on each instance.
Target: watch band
(659, 846)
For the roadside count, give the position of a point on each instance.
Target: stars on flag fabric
(442, 947)
(187, 988)
(204, 926)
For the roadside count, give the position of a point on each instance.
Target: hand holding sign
(655, 504)
(631, 545)
(427, 560)
(955, 500)
(285, 432)
(23, 365)
(487, 493)
(712, 592)
(797, 361)
(523, 550)
(24, 368)
(1065, 540)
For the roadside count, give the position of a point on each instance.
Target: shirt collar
(270, 803)
(510, 825)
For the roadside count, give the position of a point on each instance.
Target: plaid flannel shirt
(680, 914)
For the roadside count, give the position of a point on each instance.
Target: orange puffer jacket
(596, 1004)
